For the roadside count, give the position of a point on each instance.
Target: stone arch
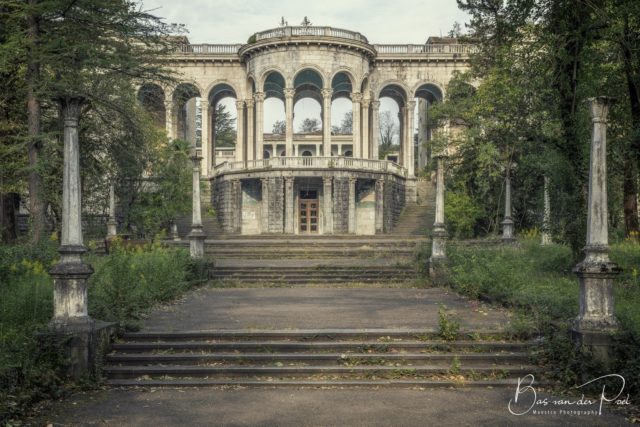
(186, 103)
(395, 90)
(428, 90)
(273, 84)
(308, 84)
(151, 97)
(342, 85)
(263, 77)
(310, 67)
(218, 82)
(343, 70)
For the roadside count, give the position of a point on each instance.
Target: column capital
(239, 104)
(71, 107)
(599, 108)
(259, 96)
(327, 179)
(365, 103)
(249, 102)
(204, 102)
(411, 104)
(375, 105)
(289, 92)
(327, 93)
(356, 96)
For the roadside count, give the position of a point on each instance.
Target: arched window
(306, 153)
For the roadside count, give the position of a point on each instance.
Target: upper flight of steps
(344, 357)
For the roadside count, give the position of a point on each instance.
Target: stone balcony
(310, 164)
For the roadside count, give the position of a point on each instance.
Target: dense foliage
(521, 107)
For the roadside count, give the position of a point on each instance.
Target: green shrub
(462, 214)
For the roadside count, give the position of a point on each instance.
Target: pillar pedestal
(507, 224)
(437, 264)
(196, 236)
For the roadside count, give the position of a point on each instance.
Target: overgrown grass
(538, 283)
(125, 284)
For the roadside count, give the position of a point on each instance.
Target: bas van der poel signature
(526, 392)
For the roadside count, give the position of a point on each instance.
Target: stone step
(262, 359)
(411, 383)
(288, 372)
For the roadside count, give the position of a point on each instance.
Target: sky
(381, 21)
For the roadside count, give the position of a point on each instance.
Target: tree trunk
(36, 202)
(9, 203)
(631, 162)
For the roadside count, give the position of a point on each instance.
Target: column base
(196, 242)
(598, 344)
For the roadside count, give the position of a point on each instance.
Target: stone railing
(409, 49)
(350, 163)
(210, 49)
(310, 31)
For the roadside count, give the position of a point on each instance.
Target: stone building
(320, 182)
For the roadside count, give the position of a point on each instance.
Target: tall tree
(225, 131)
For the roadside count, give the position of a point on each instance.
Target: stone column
(409, 134)
(259, 99)
(380, 206)
(111, 223)
(438, 257)
(366, 149)
(402, 158)
(240, 153)
(196, 236)
(507, 223)
(352, 205)
(422, 133)
(236, 190)
(204, 135)
(596, 272)
(252, 149)
(265, 205)
(212, 136)
(174, 231)
(71, 273)
(327, 199)
(326, 122)
(288, 109)
(168, 111)
(375, 128)
(288, 205)
(356, 97)
(546, 220)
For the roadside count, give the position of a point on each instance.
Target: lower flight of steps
(316, 358)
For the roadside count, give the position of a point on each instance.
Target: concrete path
(310, 407)
(320, 308)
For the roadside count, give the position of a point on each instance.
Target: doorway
(308, 212)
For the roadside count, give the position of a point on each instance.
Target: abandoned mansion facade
(320, 181)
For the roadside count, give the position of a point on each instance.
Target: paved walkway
(321, 308)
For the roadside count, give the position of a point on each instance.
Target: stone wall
(276, 205)
(365, 207)
(251, 206)
(394, 202)
(341, 205)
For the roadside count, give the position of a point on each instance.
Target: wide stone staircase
(343, 357)
(417, 218)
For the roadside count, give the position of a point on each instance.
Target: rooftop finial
(283, 23)
(306, 22)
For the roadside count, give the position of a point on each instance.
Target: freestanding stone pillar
(596, 272)
(196, 236)
(111, 223)
(366, 144)
(259, 119)
(70, 274)
(546, 220)
(240, 145)
(507, 223)
(252, 151)
(438, 258)
(375, 128)
(356, 98)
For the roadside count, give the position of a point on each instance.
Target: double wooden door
(308, 212)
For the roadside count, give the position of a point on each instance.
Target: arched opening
(186, 102)
(390, 137)
(223, 130)
(151, 98)
(425, 96)
(341, 105)
(273, 117)
(266, 154)
(348, 153)
(307, 103)
(307, 153)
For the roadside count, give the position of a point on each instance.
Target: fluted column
(366, 146)
(356, 97)
(288, 109)
(596, 272)
(439, 235)
(111, 223)
(70, 274)
(507, 223)
(326, 122)
(375, 129)
(168, 121)
(196, 236)
(252, 152)
(204, 135)
(240, 146)
(409, 134)
(546, 220)
(259, 119)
